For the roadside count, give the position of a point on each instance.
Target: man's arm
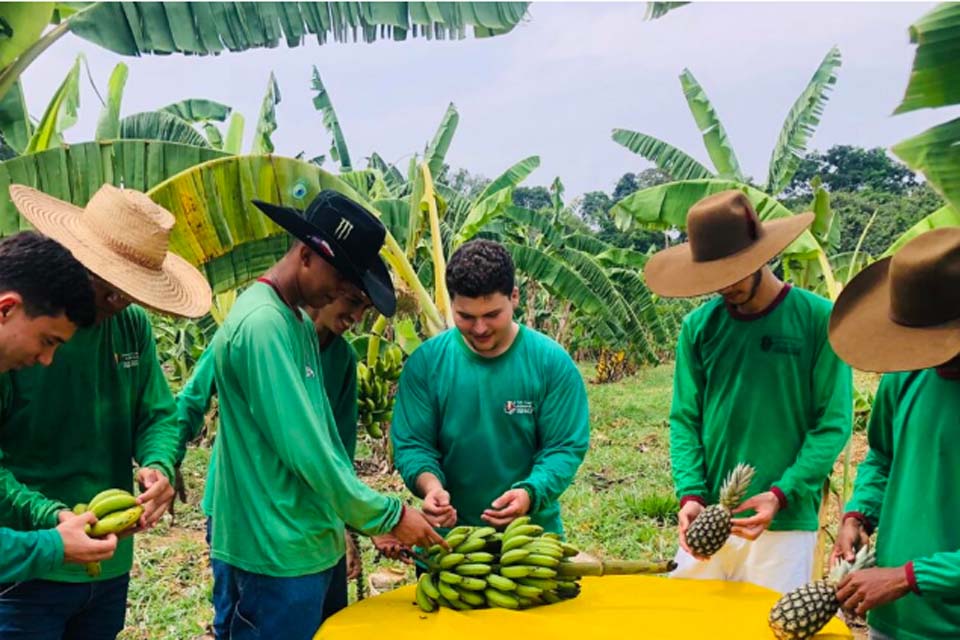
(25, 555)
(833, 403)
(344, 406)
(193, 402)
(259, 356)
(873, 473)
(688, 463)
(563, 430)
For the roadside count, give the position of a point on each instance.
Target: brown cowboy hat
(727, 243)
(121, 236)
(903, 313)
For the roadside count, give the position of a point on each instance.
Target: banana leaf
(137, 28)
(512, 177)
(714, 136)
(195, 110)
(665, 206)
(15, 125)
(61, 113)
(936, 153)
(800, 124)
(395, 216)
(657, 10)
(936, 66)
(391, 175)
(267, 123)
(436, 151)
(946, 216)
(323, 104)
(108, 126)
(234, 140)
(671, 160)
(21, 24)
(74, 173)
(214, 137)
(160, 125)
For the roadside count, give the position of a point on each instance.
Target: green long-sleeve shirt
(339, 365)
(486, 425)
(25, 555)
(283, 484)
(764, 389)
(71, 430)
(909, 485)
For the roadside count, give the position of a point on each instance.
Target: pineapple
(801, 613)
(711, 528)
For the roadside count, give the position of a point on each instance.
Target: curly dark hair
(480, 268)
(47, 277)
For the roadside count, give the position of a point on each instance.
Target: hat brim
(375, 281)
(864, 336)
(673, 273)
(177, 288)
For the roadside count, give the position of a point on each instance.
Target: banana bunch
(116, 510)
(521, 567)
(375, 390)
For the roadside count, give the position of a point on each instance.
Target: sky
(556, 86)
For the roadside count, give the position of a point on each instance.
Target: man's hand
(414, 529)
(78, 546)
(849, 539)
(864, 590)
(437, 508)
(157, 494)
(507, 508)
(688, 513)
(354, 562)
(765, 505)
(390, 547)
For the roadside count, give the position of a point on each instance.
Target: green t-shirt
(764, 389)
(339, 365)
(283, 483)
(909, 485)
(72, 429)
(25, 555)
(486, 425)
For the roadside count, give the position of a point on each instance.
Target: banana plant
(205, 28)
(797, 128)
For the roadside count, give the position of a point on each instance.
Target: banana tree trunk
(564, 323)
(531, 319)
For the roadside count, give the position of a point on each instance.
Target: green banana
(500, 599)
(458, 530)
(549, 535)
(541, 583)
(426, 583)
(569, 550)
(501, 583)
(516, 571)
(527, 591)
(544, 550)
(540, 560)
(451, 560)
(542, 572)
(116, 522)
(483, 532)
(550, 597)
(472, 569)
(480, 556)
(515, 542)
(518, 522)
(531, 530)
(106, 493)
(111, 504)
(80, 508)
(454, 539)
(447, 591)
(424, 601)
(93, 569)
(450, 578)
(473, 584)
(470, 545)
(459, 605)
(513, 556)
(472, 598)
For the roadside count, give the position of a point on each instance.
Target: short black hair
(480, 268)
(48, 278)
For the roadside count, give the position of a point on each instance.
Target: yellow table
(611, 607)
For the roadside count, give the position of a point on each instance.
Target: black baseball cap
(347, 236)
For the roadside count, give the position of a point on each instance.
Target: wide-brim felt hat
(902, 313)
(727, 242)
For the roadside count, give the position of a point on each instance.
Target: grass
(620, 505)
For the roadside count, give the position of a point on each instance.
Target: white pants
(778, 560)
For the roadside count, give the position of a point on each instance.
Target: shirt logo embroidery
(785, 345)
(127, 360)
(310, 372)
(518, 407)
(344, 227)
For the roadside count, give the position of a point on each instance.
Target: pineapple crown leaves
(736, 484)
(864, 559)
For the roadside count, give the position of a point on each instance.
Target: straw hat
(121, 236)
(903, 313)
(727, 243)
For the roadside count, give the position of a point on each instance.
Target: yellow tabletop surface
(612, 607)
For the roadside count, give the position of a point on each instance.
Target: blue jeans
(250, 605)
(45, 610)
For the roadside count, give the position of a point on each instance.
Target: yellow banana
(116, 522)
(80, 508)
(106, 493)
(112, 504)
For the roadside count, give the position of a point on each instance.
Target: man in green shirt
(45, 296)
(755, 382)
(491, 419)
(901, 316)
(106, 385)
(283, 484)
(339, 365)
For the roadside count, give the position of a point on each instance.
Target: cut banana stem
(615, 568)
